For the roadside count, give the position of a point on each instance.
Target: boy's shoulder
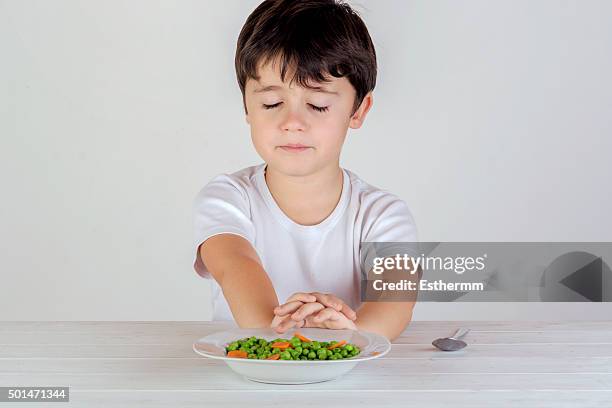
(242, 180)
(369, 194)
(243, 177)
(382, 215)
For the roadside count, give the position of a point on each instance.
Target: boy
(292, 226)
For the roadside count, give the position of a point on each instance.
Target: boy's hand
(329, 318)
(299, 301)
(313, 310)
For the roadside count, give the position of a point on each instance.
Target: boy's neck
(307, 200)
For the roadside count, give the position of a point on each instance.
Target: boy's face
(299, 131)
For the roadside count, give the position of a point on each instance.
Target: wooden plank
(475, 351)
(68, 333)
(194, 366)
(336, 399)
(405, 351)
(358, 380)
(389, 398)
(98, 351)
(162, 327)
(175, 374)
(534, 337)
(474, 337)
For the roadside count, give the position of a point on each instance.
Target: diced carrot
(339, 344)
(302, 338)
(237, 354)
(273, 357)
(281, 345)
(375, 353)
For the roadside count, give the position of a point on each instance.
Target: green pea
(260, 348)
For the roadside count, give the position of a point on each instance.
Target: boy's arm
(389, 318)
(385, 318)
(234, 264)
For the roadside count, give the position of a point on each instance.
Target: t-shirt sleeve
(222, 206)
(389, 229)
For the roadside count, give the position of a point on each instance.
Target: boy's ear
(360, 114)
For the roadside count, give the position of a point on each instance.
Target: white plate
(285, 371)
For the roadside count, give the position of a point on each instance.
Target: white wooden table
(151, 364)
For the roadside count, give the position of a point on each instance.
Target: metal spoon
(452, 343)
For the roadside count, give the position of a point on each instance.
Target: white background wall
(492, 119)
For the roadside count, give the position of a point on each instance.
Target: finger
(276, 321)
(327, 314)
(340, 324)
(348, 312)
(302, 297)
(286, 324)
(327, 321)
(290, 323)
(306, 310)
(287, 308)
(330, 300)
(280, 328)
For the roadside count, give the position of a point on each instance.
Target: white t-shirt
(298, 258)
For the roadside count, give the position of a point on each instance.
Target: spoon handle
(462, 331)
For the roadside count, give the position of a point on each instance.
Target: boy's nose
(293, 121)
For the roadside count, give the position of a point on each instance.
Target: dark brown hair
(314, 37)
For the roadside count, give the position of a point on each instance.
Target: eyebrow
(278, 88)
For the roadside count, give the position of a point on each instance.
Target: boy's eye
(317, 108)
(320, 108)
(271, 106)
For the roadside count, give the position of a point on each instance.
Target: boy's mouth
(294, 147)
